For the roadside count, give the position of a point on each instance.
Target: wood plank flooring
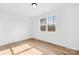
(34, 46)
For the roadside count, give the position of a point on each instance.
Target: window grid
(47, 24)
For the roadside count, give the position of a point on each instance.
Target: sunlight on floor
(24, 49)
(32, 51)
(17, 49)
(5, 52)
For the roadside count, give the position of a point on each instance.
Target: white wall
(13, 27)
(67, 28)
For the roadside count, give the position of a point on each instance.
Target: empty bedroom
(39, 28)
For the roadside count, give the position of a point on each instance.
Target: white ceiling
(27, 10)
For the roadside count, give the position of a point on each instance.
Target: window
(47, 24)
(43, 24)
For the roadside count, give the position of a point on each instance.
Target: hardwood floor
(35, 47)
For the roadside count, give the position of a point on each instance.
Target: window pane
(50, 19)
(43, 27)
(51, 27)
(43, 21)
